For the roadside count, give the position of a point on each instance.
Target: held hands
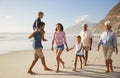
(67, 49)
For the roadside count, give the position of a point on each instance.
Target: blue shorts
(79, 55)
(60, 47)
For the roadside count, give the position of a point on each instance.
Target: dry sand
(15, 65)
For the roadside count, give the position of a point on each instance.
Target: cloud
(8, 17)
(81, 18)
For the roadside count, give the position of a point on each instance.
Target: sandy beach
(16, 64)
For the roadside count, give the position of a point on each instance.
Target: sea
(16, 42)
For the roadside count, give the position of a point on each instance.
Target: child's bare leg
(32, 65)
(75, 64)
(81, 61)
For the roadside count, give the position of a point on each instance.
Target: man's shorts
(38, 53)
(86, 48)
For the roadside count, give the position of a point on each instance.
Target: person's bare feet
(81, 67)
(107, 71)
(57, 70)
(85, 63)
(111, 71)
(47, 69)
(32, 73)
(74, 69)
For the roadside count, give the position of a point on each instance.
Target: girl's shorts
(60, 47)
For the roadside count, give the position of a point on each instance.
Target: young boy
(78, 52)
(37, 45)
(37, 25)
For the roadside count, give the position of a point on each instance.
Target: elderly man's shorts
(86, 48)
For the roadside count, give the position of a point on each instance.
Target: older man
(108, 41)
(86, 36)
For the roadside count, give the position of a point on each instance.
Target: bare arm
(65, 42)
(91, 40)
(31, 35)
(80, 48)
(53, 42)
(71, 48)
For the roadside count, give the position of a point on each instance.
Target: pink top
(59, 37)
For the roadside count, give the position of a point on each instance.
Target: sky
(17, 16)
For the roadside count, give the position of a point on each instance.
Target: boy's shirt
(38, 20)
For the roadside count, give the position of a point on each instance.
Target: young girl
(78, 52)
(37, 45)
(59, 39)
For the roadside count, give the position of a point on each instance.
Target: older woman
(108, 41)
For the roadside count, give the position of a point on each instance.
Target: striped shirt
(59, 38)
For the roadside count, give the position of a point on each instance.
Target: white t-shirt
(85, 36)
(77, 48)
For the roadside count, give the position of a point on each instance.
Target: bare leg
(62, 62)
(84, 62)
(58, 54)
(81, 61)
(60, 58)
(86, 57)
(110, 64)
(75, 63)
(44, 64)
(32, 65)
(107, 65)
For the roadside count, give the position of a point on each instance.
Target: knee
(57, 58)
(36, 59)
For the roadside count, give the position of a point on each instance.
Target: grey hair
(108, 23)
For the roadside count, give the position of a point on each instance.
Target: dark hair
(41, 24)
(79, 36)
(60, 26)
